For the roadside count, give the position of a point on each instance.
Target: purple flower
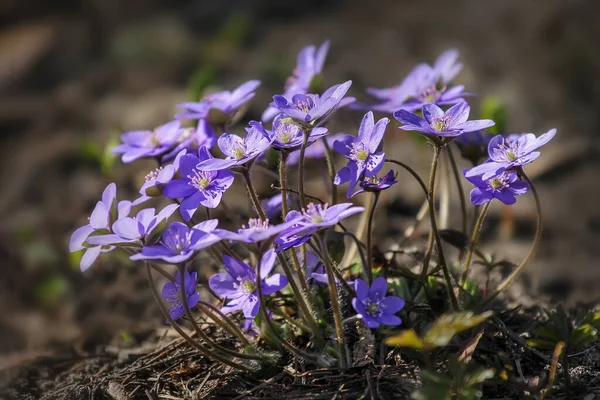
(196, 186)
(256, 231)
(179, 242)
(374, 306)
(317, 150)
(157, 180)
(510, 152)
(171, 292)
(310, 110)
(424, 84)
(361, 152)
(240, 152)
(286, 135)
(272, 205)
(437, 122)
(105, 212)
(309, 65)
(192, 139)
(315, 218)
(503, 187)
(239, 284)
(473, 145)
(219, 107)
(251, 328)
(134, 230)
(376, 184)
(138, 144)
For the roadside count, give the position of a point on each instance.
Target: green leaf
(584, 335)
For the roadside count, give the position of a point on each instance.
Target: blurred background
(74, 75)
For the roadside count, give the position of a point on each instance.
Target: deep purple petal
(274, 283)
(378, 289)
(389, 319)
(223, 285)
(479, 197)
(392, 304)
(361, 288)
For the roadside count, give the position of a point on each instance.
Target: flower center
(374, 181)
(246, 285)
(177, 243)
(285, 133)
(316, 212)
(200, 180)
(430, 94)
(304, 104)
(499, 183)
(358, 152)
(257, 224)
(373, 308)
(440, 124)
(238, 150)
(153, 175)
(508, 151)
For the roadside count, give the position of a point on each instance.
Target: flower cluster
(279, 262)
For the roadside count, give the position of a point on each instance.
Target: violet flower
(308, 67)
(376, 184)
(239, 152)
(424, 84)
(503, 187)
(129, 230)
(374, 306)
(105, 212)
(179, 242)
(171, 292)
(510, 153)
(435, 121)
(197, 186)
(273, 205)
(239, 284)
(361, 152)
(219, 107)
(316, 217)
(256, 231)
(473, 145)
(155, 181)
(286, 135)
(139, 144)
(192, 139)
(310, 110)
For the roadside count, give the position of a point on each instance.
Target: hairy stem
(331, 170)
(335, 303)
(536, 241)
(474, 241)
(253, 196)
(369, 269)
(223, 321)
(360, 233)
(306, 133)
(459, 186)
(205, 351)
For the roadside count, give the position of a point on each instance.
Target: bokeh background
(76, 74)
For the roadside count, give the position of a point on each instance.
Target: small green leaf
(584, 335)
(449, 325)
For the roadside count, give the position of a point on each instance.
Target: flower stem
(283, 184)
(459, 186)
(331, 170)
(197, 328)
(369, 269)
(206, 352)
(335, 303)
(306, 133)
(261, 213)
(223, 321)
(536, 241)
(300, 295)
(474, 240)
(360, 233)
(263, 309)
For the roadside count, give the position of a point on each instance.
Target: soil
(74, 74)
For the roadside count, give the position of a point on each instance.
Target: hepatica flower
(316, 150)
(105, 212)
(374, 306)
(256, 231)
(219, 107)
(503, 187)
(510, 152)
(272, 205)
(424, 84)
(316, 217)
(139, 144)
(361, 152)
(171, 292)
(192, 139)
(308, 67)
(179, 242)
(239, 152)
(310, 110)
(435, 121)
(238, 284)
(155, 181)
(377, 184)
(196, 186)
(286, 135)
